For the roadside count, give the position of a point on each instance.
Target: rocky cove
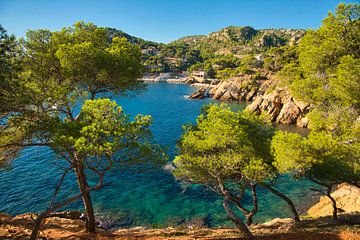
(266, 97)
(172, 162)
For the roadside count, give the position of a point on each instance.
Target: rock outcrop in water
(269, 99)
(241, 88)
(199, 94)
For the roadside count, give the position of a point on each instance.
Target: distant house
(198, 74)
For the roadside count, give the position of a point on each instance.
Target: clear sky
(164, 20)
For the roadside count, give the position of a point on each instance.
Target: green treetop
(324, 157)
(228, 152)
(329, 60)
(59, 71)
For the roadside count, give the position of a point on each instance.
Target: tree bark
(239, 223)
(328, 194)
(333, 202)
(37, 225)
(254, 210)
(85, 195)
(286, 199)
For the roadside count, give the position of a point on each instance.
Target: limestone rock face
(281, 107)
(289, 113)
(240, 88)
(199, 94)
(190, 80)
(278, 104)
(220, 90)
(302, 122)
(347, 199)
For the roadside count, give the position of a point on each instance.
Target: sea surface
(139, 198)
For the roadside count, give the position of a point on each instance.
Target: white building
(198, 74)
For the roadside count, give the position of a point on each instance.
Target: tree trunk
(239, 223)
(85, 195)
(286, 199)
(254, 210)
(333, 202)
(37, 225)
(249, 220)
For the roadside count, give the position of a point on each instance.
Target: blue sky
(166, 20)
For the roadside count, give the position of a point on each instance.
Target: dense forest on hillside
(224, 53)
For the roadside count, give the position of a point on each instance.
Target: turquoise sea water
(150, 198)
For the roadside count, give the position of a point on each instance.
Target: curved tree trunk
(286, 199)
(254, 210)
(85, 195)
(239, 223)
(37, 225)
(333, 202)
(328, 194)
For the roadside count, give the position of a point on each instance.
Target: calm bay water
(151, 198)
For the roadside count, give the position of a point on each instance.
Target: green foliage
(320, 156)
(268, 63)
(60, 71)
(327, 75)
(345, 88)
(76, 62)
(196, 67)
(278, 57)
(104, 134)
(325, 58)
(289, 73)
(224, 144)
(9, 66)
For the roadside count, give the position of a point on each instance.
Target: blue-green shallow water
(152, 198)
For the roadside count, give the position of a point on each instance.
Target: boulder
(190, 80)
(289, 113)
(280, 107)
(304, 107)
(302, 122)
(199, 94)
(250, 95)
(221, 89)
(347, 199)
(227, 96)
(275, 111)
(254, 106)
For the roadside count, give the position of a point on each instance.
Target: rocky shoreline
(19, 227)
(317, 224)
(277, 103)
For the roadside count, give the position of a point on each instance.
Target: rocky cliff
(267, 98)
(281, 107)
